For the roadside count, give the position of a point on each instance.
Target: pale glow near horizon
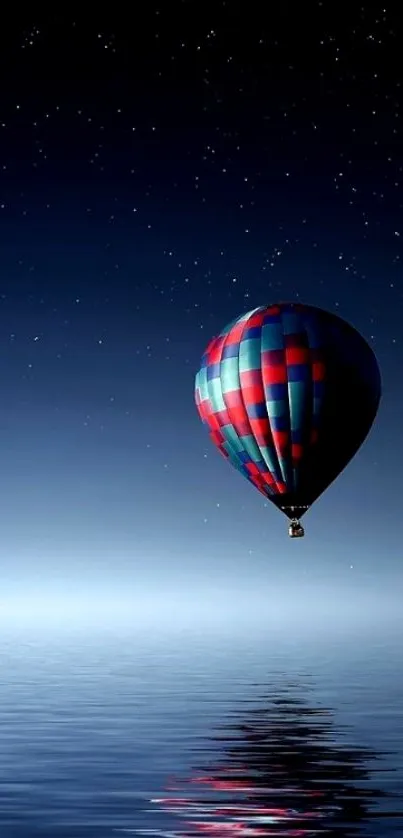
(192, 606)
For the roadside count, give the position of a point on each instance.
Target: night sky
(162, 172)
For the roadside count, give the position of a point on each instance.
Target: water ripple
(105, 736)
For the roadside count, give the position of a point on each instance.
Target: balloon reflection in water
(282, 773)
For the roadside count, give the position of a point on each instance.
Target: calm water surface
(189, 733)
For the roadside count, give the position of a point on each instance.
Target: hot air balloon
(289, 392)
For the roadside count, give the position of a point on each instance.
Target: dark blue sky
(156, 181)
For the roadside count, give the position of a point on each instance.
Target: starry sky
(159, 177)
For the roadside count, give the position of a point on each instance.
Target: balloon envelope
(289, 392)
